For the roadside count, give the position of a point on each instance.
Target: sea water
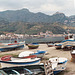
(34, 40)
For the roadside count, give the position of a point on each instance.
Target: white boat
(11, 46)
(39, 53)
(68, 38)
(61, 64)
(8, 61)
(25, 53)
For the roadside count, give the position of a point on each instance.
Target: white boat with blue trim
(12, 46)
(68, 38)
(8, 61)
(39, 53)
(61, 66)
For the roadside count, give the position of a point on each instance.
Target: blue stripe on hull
(56, 72)
(11, 48)
(20, 63)
(63, 62)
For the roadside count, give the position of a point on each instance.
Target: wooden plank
(48, 68)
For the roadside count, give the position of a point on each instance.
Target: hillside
(24, 21)
(32, 28)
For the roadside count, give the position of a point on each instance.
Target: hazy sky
(45, 6)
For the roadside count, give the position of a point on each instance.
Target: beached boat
(11, 46)
(23, 70)
(61, 64)
(39, 53)
(67, 47)
(50, 44)
(8, 61)
(68, 38)
(33, 45)
(58, 46)
(39, 69)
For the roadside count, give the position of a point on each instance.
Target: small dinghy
(50, 44)
(8, 61)
(58, 46)
(33, 45)
(39, 53)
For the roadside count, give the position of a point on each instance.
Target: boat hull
(21, 70)
(22, 62)
(33, 47)
(73, 56)
(67, 48)
(9, 48)
(58, 47)
(37, 69)
(39, 55)
(50, 45)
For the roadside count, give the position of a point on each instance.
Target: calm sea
(33, 40)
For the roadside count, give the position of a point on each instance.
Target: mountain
(24, 21)
(25, 15)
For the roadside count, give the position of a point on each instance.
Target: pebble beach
(52, 52)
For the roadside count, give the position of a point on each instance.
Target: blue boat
(39, 53)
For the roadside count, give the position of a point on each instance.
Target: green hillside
(24, 21)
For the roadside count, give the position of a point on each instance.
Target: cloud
(45, 6)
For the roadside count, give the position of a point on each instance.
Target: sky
(48, 7)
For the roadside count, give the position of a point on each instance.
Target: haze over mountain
(26, 20)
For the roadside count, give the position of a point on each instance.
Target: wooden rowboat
(33, 46)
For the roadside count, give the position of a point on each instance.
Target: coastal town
(39, 35)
